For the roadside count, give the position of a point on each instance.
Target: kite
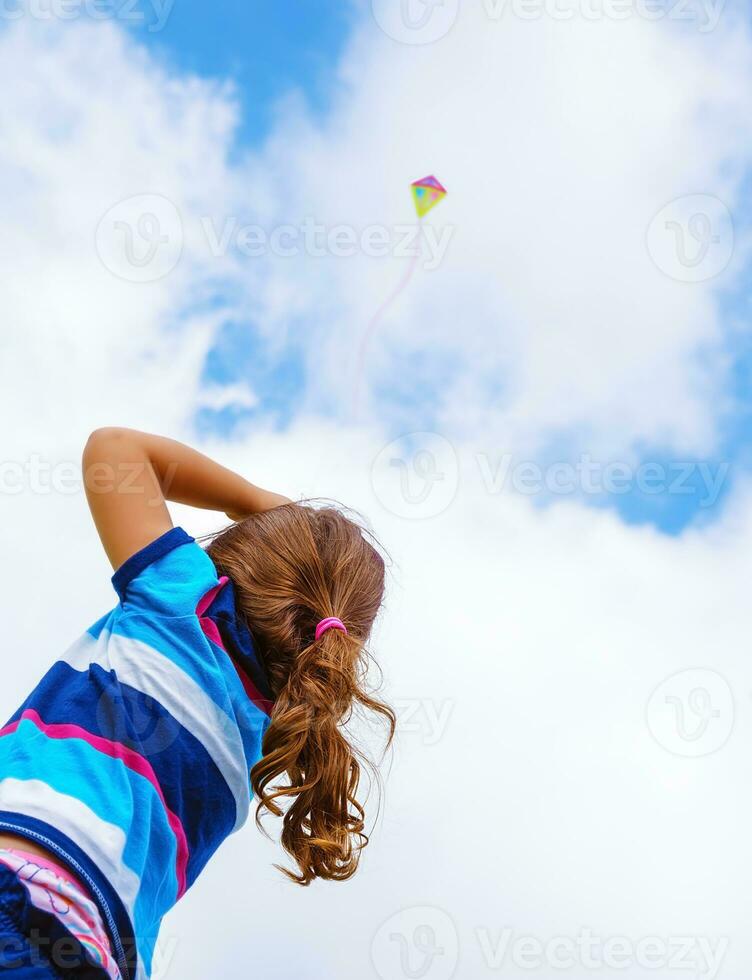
(427, 193)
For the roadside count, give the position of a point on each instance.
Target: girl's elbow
(101, 443)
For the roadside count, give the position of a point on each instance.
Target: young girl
(127, 767)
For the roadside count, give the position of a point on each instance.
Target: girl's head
(292, 567)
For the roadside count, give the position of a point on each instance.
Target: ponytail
(291, 568)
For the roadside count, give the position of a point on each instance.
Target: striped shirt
(131, 759)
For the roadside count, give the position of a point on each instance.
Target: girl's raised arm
(130, 475)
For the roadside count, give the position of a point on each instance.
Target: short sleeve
(167, 577)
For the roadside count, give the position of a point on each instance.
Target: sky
(267, 50)
(207, 222)
(290, 61)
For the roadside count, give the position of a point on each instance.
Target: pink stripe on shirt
(135, 762)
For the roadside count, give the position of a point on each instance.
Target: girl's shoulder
(169, 577)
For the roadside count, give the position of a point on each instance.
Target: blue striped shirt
(132, 758)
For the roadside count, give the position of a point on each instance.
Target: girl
(129, 764)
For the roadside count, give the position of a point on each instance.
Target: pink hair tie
(332, 623)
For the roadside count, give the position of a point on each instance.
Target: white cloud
(218, 397)
(91, 122)
(559, 142)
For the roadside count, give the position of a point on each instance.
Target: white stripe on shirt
(140, 666)
(101, 841)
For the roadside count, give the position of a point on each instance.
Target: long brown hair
(292, 567)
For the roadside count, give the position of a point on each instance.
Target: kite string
(378, 316)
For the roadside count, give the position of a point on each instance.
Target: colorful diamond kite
(426, 194)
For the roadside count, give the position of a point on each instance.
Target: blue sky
(270, 50)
